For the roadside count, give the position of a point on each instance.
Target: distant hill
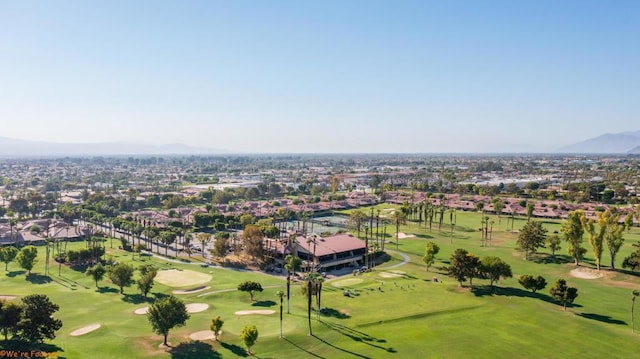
(11, 147)
(634, 151)
(622, 142)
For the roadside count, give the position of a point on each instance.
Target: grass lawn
(391, 312)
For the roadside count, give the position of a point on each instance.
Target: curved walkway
(405, 257)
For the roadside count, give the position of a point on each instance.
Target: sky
(321, 76)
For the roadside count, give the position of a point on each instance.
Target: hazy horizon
(321, 77)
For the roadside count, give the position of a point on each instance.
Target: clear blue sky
(321, 76)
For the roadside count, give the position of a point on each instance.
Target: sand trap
(391, 275)
(197, 307)
(182, 278)
(203, 335)
(249, 312)
(403, 235)
(141, 311)
(189, 291)
(346, 282)
(85, 330)
(586, 273)
(7, 297)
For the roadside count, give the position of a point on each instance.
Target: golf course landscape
(397, 310)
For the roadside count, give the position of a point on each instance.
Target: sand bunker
(586, 273)
(203, 335)
(85, 330)
(141, 311)
(249, 312)
(182, 278)
(346, 282)
(403, 235)
(197, 307)
(7, 297)
(189, 291)
(391, 275)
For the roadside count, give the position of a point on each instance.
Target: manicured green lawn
(391, 312)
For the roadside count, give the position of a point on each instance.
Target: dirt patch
(85, 330)
(586, 273)
(346, 282)
(189, 291)
(141, 311)
(7, 297)
(404, 235)
(203, 335)
(250, 312)
(182, 278)
(197, 307)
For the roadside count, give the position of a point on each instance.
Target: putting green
(181, 278)
(346, 282)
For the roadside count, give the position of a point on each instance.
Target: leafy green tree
(7, 255)
(166, 314)
(531, 237)
(121, 274)
(26, 258)
(430, 252)
(291, 264)
(216, 326)
(250, 287)
(494, 268)
(145, 282)
(596, 237)
(36, 322)
(553, 242)
(97, 272)
(249, 336)
(532, 283)
(563, 293)
(573, 230)
(9, 317)
(613, 235)
(463, 266)
(220, 247)
(633, 260)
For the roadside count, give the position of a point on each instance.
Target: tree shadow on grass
(235, 349)
(602, 318)
(38, 278)
(485, 290)
(424, 236)
(330, 312)
(303, 349)
(357, 336)
(107, 290)
(15, 273)
(263, 303)
(549, 259)
(194, 349)
(136, 298)
(627, 272)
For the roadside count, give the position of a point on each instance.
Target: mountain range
(10, 147)
(623, 142)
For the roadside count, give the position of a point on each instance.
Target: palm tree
(398, 218)
(204, 238)
(635, 295)
(292, 263)
(310, 286)
(318, 284)
(280, 295)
